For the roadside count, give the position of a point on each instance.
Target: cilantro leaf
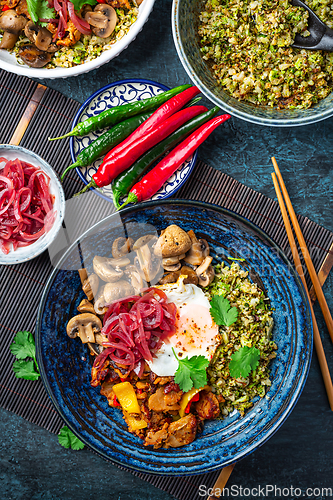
(244, 361)
(78, 4)
(68, 440)
(221, 311)
(40, 9)
(25, 369)
(23, 345)
(191, 372)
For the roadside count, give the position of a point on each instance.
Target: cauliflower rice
(249, 43)
(253, 329)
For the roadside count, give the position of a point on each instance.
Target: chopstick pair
(277, 178)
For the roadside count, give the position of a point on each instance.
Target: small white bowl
(24, 254)
(9, 62)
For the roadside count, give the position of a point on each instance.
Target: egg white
(197, 333)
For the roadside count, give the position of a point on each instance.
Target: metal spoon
(321, 36)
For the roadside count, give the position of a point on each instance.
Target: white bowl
(24, 254)
(9, 62)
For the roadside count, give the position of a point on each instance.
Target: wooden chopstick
(317, 340)
(306, 254)
(221, 482)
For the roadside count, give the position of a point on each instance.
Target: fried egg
(196, 332)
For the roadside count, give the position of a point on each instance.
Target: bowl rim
(84, 106)
(105, 57)
(62, 204)
(243, 115)
(287, 410)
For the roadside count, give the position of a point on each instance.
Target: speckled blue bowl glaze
(65, 367)
(185, 22)
(118, 94)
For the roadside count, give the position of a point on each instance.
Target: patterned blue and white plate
(116, 94)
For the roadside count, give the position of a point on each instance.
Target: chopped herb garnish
(222, 312)
(22, 348)
(68, 440)
(191, 372)
(244, 361)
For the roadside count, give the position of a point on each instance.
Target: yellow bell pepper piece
(126, 396)
(133, 423)
(187, 398)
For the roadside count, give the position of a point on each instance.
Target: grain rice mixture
(253, 329)
(249, 42)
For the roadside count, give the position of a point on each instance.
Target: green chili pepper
(116, 114)
(123, 183)
(107, 141)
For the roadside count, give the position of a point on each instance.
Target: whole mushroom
(85, 326)
(173, 242)
(118, 290)
(12, 24)
(103, 19)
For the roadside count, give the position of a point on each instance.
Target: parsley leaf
(244, 361)
(25, 369)
(40, 9)
(24, 347)
(191, 372)
(221, 311)
(78, 4)
(68, 440)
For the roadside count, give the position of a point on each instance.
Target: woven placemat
(41, 112)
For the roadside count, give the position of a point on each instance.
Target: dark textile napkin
(48, 113)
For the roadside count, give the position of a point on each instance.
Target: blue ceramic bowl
(65, 367)
(116, 94)
(185, 20)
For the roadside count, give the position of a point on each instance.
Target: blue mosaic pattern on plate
(65, 367)
(185, 22)
(116, 94)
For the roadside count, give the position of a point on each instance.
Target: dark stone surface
(34, 466)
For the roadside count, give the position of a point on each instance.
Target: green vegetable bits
(239, 370)
(68, 440)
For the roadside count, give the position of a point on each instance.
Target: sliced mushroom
(85, 306)
(172, 263)
(118, 290)
(136, 280)
(103, 19)
(191, 275)
(41, 37)
(205, 272)
(34, 57)
(198, 251)
(84, 326)
(106, 271)
(90, 286)
(147, 264)
(143, 240)
(99, 305)
(174, 241)
(121, 246)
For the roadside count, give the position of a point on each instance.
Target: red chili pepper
(128, 155)
(5, 7)
(195, 398)
(155, 179)
(160, 115)
(115, 401)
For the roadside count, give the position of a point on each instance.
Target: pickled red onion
(26, 204)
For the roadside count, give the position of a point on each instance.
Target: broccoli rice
(252, 329)
(249, 45)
